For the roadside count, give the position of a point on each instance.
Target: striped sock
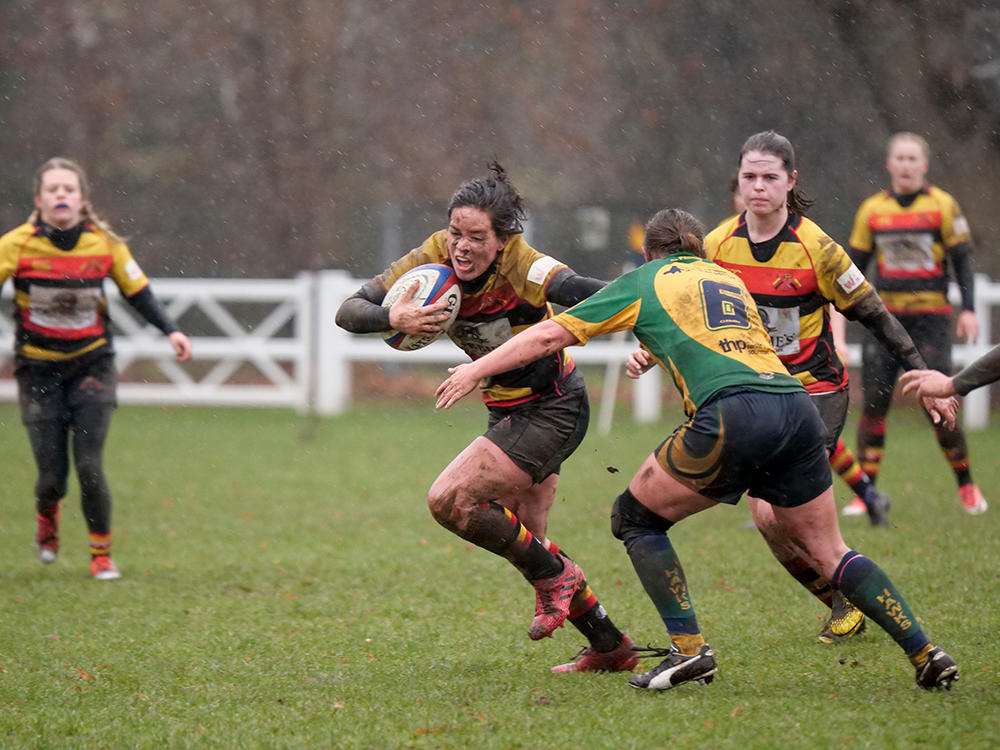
(811, 580)
(496, 529)
(588, 616)
(100, 544)
(846, 465)
(871, 444)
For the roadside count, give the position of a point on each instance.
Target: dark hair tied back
(497, 196)
(674, 231)
(774, 144)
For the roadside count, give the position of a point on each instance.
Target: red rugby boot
(552, 598)
(47, 535)
(623, 659)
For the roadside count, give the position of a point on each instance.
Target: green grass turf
(284, 586)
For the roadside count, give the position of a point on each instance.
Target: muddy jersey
(60, 308)
(696, 319)
(793, 278)
(912, 244)
(508, 298)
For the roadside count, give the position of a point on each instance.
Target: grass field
(285, 586)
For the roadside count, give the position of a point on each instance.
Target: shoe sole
(46, 556)
(107, 575)
(847, 510)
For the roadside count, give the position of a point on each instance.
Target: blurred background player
(64, 361)
(751, 428)
(498, 492)
(917, 233)
(794, 271)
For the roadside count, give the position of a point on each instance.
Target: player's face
(472, 243)
(60, 200)
(764, 183)
(907, 166)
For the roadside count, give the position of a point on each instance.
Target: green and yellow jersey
(793, 277)
(912, 237)
(60, 308)
(507, 299)
(696, 319)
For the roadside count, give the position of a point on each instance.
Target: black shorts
(54, 390)
(832, 409)
(770, 445)
(539, 435)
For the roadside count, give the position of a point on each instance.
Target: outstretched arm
(983, 371)
(538, 341)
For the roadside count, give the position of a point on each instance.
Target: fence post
(333, 368)
(976, 406)
(647, 396)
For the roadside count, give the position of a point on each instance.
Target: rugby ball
(437, 282)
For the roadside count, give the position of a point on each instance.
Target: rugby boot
(624, 658)
(939, 671)
(878, 508)
(972, 499)
(856, 507)
(845, 622)
(677, 669)
(552, 598)
(47, 535)
(103, 569)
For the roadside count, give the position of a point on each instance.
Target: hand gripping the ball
(410, 318)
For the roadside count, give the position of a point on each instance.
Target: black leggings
(932, 336)
(50, 438)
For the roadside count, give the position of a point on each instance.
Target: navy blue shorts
(770, 445)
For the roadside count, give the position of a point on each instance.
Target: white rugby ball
(437, 282)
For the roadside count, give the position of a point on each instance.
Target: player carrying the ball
(498, 491)
(752, 428)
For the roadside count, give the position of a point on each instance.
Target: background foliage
(261, 137)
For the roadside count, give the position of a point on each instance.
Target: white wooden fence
(302, 360)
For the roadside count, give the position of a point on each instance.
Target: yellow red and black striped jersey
(911, 241)
(793, 277)
(507, 299)
(60, 308)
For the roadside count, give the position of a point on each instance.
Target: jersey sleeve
(529, 270)
(839, 280)
(613, 308)
(8, 258)
(125, 272)
(861, 235)
(433, 250)
(954, 226)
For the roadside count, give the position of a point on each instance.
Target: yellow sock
(688, 644)
(920, 657)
